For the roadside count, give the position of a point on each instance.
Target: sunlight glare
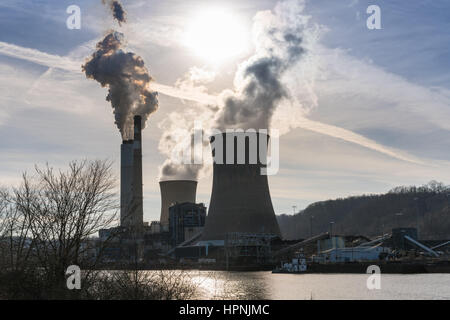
(216, 35)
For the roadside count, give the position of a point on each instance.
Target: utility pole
(295, 208)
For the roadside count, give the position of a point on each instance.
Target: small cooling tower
(240, 199)
(175, 191)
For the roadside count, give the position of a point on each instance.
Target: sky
(371, 111)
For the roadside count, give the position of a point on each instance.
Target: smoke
(117, 10)
(127, 80)
(282, 38)
(280, 43)
(125, 76)
(177, 143)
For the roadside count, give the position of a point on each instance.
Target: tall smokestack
(175, 191)
(137, 207)
(126, 180)
(240, 198)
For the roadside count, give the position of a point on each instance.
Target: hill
(426, 206)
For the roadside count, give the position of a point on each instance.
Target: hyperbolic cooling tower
(175, 191)
(240, 199)
(131, 193)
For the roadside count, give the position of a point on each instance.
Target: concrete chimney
(240, 198)
(137, 206)
(175, 191)
(126, 180)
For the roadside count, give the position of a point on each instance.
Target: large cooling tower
(175, 191)
(240, 199)
(131, 193)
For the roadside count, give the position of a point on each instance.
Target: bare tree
(48, 222)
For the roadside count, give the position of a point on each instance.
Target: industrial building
(240, 229)
(352, 254)
(185, 221)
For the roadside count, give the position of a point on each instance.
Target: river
(265, 285)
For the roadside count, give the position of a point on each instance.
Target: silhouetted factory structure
(185, 221)
(240, 212)
(240, 229)
(131, 193)
(240, 198)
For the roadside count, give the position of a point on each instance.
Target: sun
(216, 34)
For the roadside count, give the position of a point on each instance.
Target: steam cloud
(280, 42)
(177, 141)
(127, 80)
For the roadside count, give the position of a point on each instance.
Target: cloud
(343, 68)
(363, 86)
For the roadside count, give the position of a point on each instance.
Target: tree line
(425, 207)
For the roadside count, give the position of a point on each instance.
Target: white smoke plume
(125, 76)
(280, 43)
(177, 143)
(281, 40)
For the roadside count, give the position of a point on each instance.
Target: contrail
(202, 98)
(350, 136)
(64, 63)
(39, 57)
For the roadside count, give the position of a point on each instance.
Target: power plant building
(185, 221)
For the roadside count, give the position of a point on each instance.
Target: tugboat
(297, 265)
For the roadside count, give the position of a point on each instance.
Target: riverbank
(394, 267)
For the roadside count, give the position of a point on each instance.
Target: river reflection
(265, 285)
(230, 285)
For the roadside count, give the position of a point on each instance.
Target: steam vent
(240, 199)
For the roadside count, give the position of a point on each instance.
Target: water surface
(265, 285)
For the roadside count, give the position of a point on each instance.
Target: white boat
(297, 265)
